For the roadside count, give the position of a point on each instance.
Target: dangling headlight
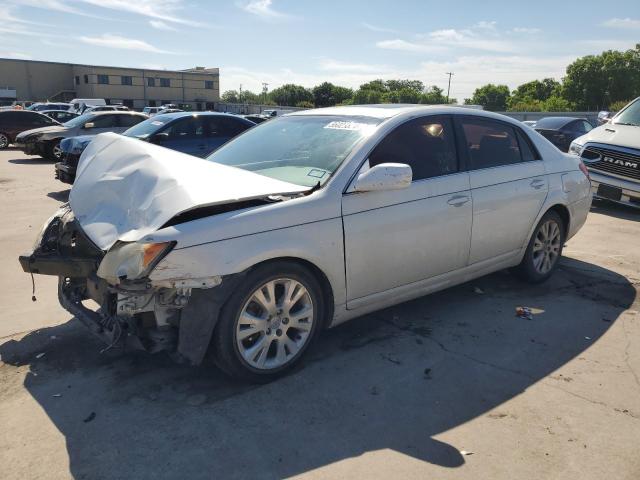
(132, 260)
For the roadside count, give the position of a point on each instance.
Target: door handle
(458, 200)
(537, 183)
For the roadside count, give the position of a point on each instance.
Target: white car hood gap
(127, 188)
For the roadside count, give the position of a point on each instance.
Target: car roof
(55, 110)
(557, 122)
(196, 114)
(390, 110)
(117, 112)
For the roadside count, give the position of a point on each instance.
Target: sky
(346, 42)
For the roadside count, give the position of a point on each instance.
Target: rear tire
(269, 322)
(544, 249)
(4, 140)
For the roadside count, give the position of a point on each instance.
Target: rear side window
(426, 144)
(104, 121)
(224, 127)
(490, 144)
(130, 120)
(526, 149)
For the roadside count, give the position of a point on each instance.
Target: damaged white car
(300, 224)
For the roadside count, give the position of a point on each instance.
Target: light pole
(265, 87)
(449, 87)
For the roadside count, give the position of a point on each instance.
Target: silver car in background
(302, 223)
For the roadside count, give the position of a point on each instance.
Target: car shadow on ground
(32, 161)
(617, 210)
(61, 196)
(395, 380)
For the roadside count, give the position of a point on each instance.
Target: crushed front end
(130, 310)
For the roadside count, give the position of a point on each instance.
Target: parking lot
(452, 385)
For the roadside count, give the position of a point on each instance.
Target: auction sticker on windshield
(345, 125)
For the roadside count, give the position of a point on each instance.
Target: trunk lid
(126, 188)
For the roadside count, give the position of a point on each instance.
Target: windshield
(301, 149)
(78, 121)
(149, 126)
(630, 115)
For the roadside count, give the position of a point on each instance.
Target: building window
(151, 82)
(165, 82)
(103, 79)
(128, 103)
(152, 103)
(208, 84)
(77, 79)
(86, 79)
(126, 80)
(210, 106)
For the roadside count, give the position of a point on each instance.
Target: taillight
(583, 169)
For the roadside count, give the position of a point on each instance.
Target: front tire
(53, 151)
(269, 322)
(544, 249)
(4, 140)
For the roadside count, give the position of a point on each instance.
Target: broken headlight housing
(575, 149)
(132, 260)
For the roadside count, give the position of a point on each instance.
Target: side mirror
(89, 125)
(385, 176)
(160, 137)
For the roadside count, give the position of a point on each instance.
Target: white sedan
(302, 223)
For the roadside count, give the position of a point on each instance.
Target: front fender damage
(199, 318)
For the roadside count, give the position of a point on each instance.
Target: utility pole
(240, 95)
(265, 89)
(449, 87)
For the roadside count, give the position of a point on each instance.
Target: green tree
(491, 97)
(305, 104)
(290, 94)
(230, 96)
(619, 105)
(366, 96)
(327, 94)
(398, 85)
(556, 103)
(595, 81)
(434, 96)
(536, 90)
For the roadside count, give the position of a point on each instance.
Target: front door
(398, 237)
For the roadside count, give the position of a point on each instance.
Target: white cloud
(624, 23)
(160, 25)
(375, 28)
(56, 5)
(263, 9)
(331, 65)
(525, 30)
(115, 41)
(166, 10)
(482, 36)
(16, 55)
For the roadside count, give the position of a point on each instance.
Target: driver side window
(426, 144)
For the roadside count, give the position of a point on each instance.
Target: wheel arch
(325, 284)
(564, 213)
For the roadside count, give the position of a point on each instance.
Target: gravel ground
(452, 385)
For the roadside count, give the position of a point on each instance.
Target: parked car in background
(61, 116)
(561, 131)
(46, 141)
(79, 105)
(169, 110)
(302, 223)
(107, 108)
(274, 112)
(611, 152)
(151, 111)
(529, 123)
(256, 118)
(193, 133)
(38, 107)
(14, 122)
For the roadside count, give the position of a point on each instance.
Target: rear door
(222, 129)
(398, 237)
(508, 185)
(187, 135)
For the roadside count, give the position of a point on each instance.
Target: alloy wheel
(4, 141)
(57, 151)
(274, 324)
(546, 246)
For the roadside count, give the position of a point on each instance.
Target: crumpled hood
(126, 189)
(621, 135)
(41, 130)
